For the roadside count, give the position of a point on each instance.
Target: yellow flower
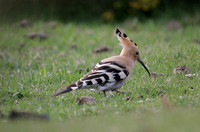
(144, 5)
(108, 15)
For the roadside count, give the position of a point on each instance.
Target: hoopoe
(111, 73)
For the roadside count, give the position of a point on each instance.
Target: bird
(111, 73)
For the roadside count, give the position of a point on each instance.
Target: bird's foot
(120, 92)
(104, 92)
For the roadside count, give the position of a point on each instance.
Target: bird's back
(107, 75)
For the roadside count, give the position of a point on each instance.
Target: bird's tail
(68, 89)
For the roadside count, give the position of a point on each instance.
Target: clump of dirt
(153, 74)
(181, 70)
(86, 100)
(25, 23)
(33, 35)
(102, 49)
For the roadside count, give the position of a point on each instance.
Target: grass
(30, 74)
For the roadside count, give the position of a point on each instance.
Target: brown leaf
(86, 100)
(25, 23)
(174, 25)
(182, 70)
(102, 49)
(33, 35)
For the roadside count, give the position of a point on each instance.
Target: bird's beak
(139, 60)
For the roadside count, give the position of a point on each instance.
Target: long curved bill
(139, 60)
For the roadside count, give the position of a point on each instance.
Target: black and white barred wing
(104, 76)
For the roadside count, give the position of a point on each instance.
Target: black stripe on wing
(89, 83)
(95, 76)
(107, 69)
(126, 72)
(113, 63)
(117, 77)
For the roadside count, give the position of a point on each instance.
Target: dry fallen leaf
(25, 23)
(101, 49)
(86, 100)
(33, 35)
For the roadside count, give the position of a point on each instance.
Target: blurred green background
(106, 10)
(48, 44)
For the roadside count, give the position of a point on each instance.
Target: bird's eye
(137, 53)
(131, 40)
(135, 44)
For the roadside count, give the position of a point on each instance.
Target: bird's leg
(120, 92)
(104, 92)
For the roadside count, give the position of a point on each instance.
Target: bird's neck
(130, 61)
(127, 54)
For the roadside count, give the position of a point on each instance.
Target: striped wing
(103, 75)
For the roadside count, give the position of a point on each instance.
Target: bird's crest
(125, 41)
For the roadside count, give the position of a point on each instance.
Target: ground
(31, 70)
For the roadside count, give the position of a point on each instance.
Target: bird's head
(130, 48)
